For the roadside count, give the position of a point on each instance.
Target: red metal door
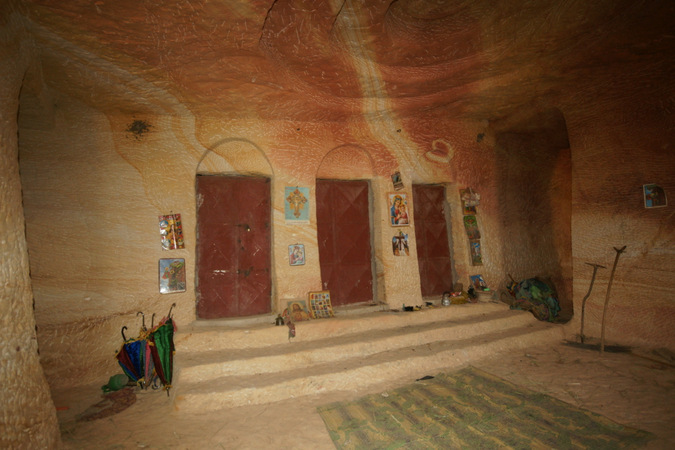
(233, 246)
(431, 234)
(343, 223)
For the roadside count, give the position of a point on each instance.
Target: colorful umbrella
(148, 364)
(131, 358)
(149, 367)
(162, 349)
(135, 358)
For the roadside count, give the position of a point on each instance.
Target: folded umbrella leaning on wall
(148, 358)
(162, 349)
(132, 356)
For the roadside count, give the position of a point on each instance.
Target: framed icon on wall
(171, 275)
(296, 206)
(398, 209)
(171, 232)
(296, 254)
(654, 196)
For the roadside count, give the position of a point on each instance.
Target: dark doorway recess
(431, 235)
(343, 222)
(233, 246)
(534, 198)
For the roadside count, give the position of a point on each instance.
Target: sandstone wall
(93, 191)
(28, 416)
(615, 152)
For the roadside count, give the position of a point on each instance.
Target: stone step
(207, 365)
(366, 355)
(237, 334)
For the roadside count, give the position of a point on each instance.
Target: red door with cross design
(233, 246)
(431, 235)
(343, 222)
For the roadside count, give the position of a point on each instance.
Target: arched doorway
(344, 225)
(234, 232)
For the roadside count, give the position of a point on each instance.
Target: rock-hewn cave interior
(558, 114)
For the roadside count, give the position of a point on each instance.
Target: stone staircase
(236, 363)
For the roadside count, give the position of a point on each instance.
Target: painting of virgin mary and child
(398, 210)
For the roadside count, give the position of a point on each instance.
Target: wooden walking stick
(583, 303)
(618, 251)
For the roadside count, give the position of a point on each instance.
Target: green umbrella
(162, 350)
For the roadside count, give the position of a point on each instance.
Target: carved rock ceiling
(331, 59)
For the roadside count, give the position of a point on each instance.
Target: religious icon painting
(397, 181)
(296, 254)
(468, 206)
(471, 226)
(319, 305)
(478, 282)
(171, 275)
(399, 244)
(171, 232)
(297, 311)
(655, 196)
(476, 255)
(296, 209)
(398, 209)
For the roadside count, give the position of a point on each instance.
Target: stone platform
(233, 363)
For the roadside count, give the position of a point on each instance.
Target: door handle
(246, 272)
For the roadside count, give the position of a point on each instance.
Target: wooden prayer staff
(583, 303)
(618, 251)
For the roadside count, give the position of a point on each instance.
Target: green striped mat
(471, 409)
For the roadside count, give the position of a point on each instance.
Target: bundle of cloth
(535, 296)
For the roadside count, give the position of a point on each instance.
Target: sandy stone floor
(637, 391)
